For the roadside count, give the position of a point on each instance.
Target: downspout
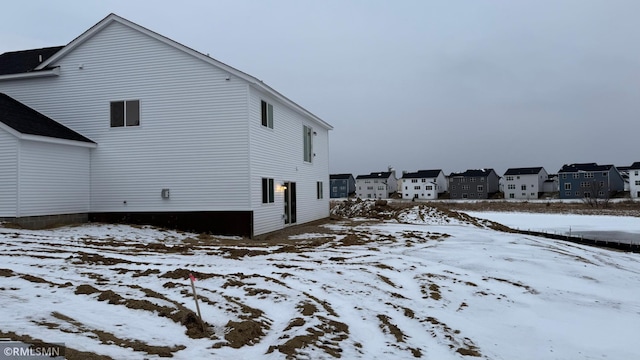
(18, 169)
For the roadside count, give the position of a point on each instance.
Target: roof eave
(53, 140)
(233, 71)
(31, 74)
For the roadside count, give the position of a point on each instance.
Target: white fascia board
(31, 75)
(53, 140)
(10, 130)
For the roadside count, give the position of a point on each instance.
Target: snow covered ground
(591, 226)
(429, 285)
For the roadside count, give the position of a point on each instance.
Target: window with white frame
(267, 191)
(509, 178)
(567, 186)
(480, 188)
(417, 187)
(125, 113)
(511, 186)
(307, 141)
(266, 111)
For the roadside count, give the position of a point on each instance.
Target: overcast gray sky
(413, 84)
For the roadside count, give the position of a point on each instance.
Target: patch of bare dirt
(109, 338)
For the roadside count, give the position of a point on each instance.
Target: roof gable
(24, 61)
(523, 171)
(376, 175)
(474, 173)
(231, 70)
(340, 176)
(635, 166)
(422, 174)
(584, 167)
(26, 120)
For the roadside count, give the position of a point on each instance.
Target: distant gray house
(377, 185)
(474, 184)
(423, 184)
(524, 183)
(578, 181)
(342, 185)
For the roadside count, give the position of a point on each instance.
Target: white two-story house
(423, 184)
(634, 180)
(151, 131)
(377, 185)
(524, 183)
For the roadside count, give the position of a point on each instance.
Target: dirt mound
(241, 333)
(195, 327)
(404, 212)
(377, 209)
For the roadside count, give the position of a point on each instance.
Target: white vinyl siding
(528, 185)
(276, 154)
(54, 179)
(200, 133)
(8, 174)
(192, 138)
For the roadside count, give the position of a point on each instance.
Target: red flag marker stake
(195, 297)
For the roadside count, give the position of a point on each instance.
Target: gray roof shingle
(17, 62)
(26, 120)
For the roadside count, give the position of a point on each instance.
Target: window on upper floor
(307, 134)
(266, 114)
(576, 175)
(125, 113)
(588, 175)
(508, 178)
(567, 186)
(523, 187)
(511, 186)
(480, 188)
(414, 180)
(637, 182)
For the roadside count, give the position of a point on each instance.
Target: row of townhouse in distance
(574, 181)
